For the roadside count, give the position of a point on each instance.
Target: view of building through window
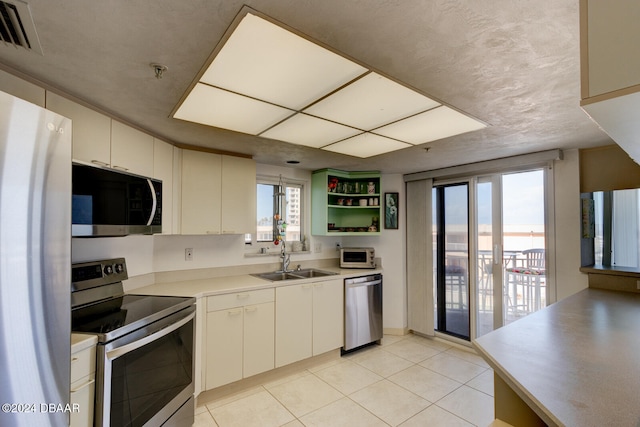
(290, 212)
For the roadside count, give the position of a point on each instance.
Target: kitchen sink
(294, 275)
(276, 277)
(311, 272)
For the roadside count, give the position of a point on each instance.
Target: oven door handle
(121, 351)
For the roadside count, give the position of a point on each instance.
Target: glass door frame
(497, 271)
(472, 263)
(495, 177)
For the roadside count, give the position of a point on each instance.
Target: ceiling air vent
(16, 26)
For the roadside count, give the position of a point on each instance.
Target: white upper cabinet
(104, 142)
(131, 149)
(610, 34)
(201, 186)
(22, 89)
(610, 69)
(163, 170)
(91, 130)
(238, 202)
(218, 194)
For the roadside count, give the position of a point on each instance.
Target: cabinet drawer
(82, 395)
(83, 363)
(239, 299)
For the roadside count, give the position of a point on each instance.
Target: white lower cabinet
(294, 323)
(248, 333)
(240, 336)
(328, 316)
(309, 320)
(83, 376)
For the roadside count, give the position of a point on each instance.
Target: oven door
(146, 376)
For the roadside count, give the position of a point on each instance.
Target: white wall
(569, 279)
(137, 250)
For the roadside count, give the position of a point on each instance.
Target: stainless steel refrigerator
(35, 264)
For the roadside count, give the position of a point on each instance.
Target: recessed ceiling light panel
(265, 61)
(215, 107)
(441, 122)
(366, 145)
(310, 131)
(267, 80)
(370, 102)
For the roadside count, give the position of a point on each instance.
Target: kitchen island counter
(574, 363)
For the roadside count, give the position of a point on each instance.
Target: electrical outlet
(317, 247)
(188, 254)
(338, 246)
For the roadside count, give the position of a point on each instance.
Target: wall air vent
(16, 26)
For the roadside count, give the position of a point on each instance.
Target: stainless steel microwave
(357, 258)
(108, 202)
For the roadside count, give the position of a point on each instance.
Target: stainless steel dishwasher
(362, 311)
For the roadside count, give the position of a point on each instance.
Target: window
(289, 208)
(616, 220)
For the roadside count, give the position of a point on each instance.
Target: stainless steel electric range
(145, 352)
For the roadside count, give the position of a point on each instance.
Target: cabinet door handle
(234, 312)
(122, 168)
(74, 359)
(99, 163)
(318, 285)
(242, 296)
(251, 309)
(91, 381)
(307, 286)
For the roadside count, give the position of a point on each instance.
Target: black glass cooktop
(118, 316)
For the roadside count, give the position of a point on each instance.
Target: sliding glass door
(511, 275)
(452, 301)
(489, 253)
(488, 238)
(523, 237)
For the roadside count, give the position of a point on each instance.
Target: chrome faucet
(286, 258)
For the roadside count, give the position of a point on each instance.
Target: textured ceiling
(512, 64)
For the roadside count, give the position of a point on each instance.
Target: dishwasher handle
(364, 281)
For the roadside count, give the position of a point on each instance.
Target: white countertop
(576, 362)
(80, 341)
(238, 283)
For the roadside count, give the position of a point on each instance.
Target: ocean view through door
(511, 248)
(489, 252)
(452, 302)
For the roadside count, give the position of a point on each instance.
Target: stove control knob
(119, 268)
(108, 269)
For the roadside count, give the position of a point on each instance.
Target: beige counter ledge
(574, 363)
(236, 283)
(81, 341)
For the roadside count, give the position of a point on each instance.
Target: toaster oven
(357, 258)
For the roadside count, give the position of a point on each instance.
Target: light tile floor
(406, 381)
